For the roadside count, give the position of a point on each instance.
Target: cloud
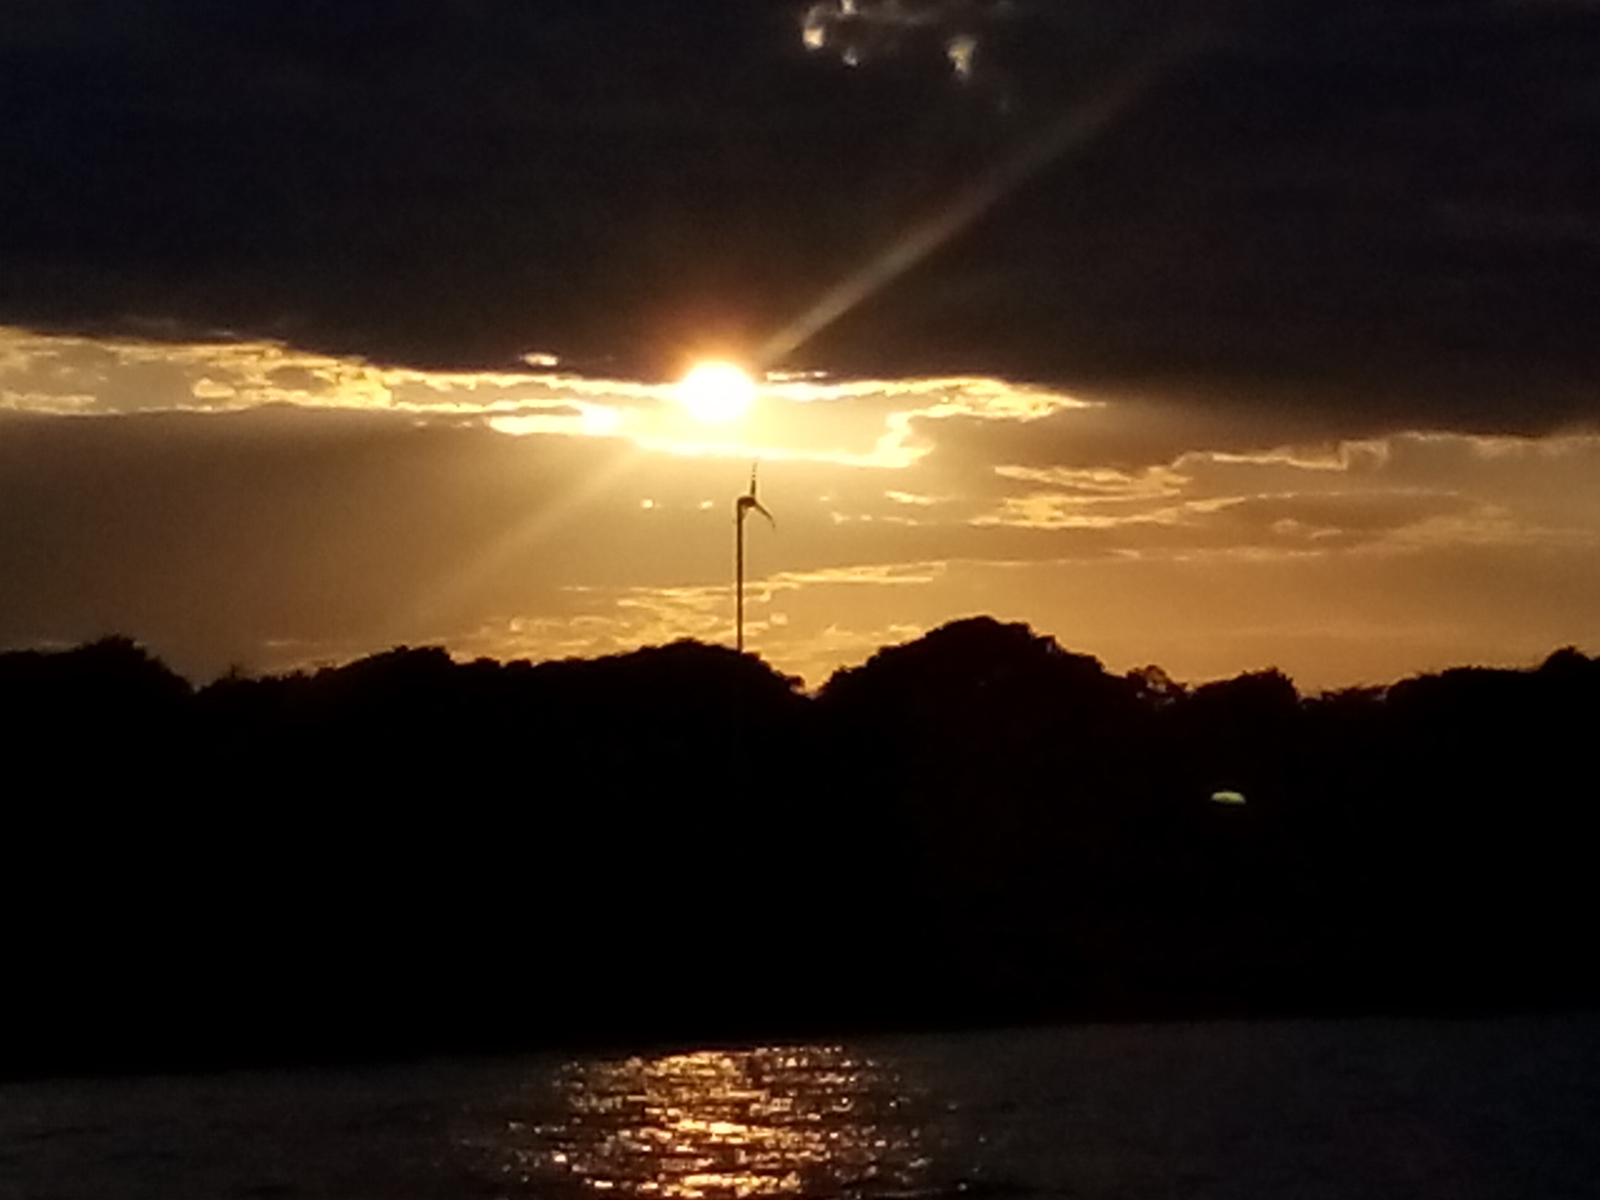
(867, 423)
(1373, 211)
(891, 574)
(1396, 492)
(283, 534)
(239, 500)
(858, 31)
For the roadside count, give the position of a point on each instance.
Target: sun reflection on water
(817, 1121)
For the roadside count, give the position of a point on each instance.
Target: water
(1292, 1110)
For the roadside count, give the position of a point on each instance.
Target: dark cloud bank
(1380, 208)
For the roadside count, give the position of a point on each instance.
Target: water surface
(1322, 1110)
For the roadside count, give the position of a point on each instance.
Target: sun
(716, 392)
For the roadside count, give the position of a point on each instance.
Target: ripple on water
(819, 1121)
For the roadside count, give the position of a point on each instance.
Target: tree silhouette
(408, 853)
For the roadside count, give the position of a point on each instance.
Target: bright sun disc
(716, 392)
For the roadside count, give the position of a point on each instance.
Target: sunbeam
(1075, 129)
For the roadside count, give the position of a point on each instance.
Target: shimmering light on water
(1331, 1110)
(777, 1121)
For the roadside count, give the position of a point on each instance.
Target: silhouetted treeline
(408, 854)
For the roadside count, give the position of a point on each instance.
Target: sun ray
(1075, 129)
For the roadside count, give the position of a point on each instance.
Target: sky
(1219, 334)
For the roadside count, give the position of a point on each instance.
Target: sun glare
(716, 392)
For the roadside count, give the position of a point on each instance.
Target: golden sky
(246, 503)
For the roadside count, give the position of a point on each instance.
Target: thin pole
(738, 577)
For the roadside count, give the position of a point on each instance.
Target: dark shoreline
(408, 856)
(624, 1045)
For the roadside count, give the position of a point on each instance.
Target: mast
(741, 509)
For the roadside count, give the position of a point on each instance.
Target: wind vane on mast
(741, 509)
